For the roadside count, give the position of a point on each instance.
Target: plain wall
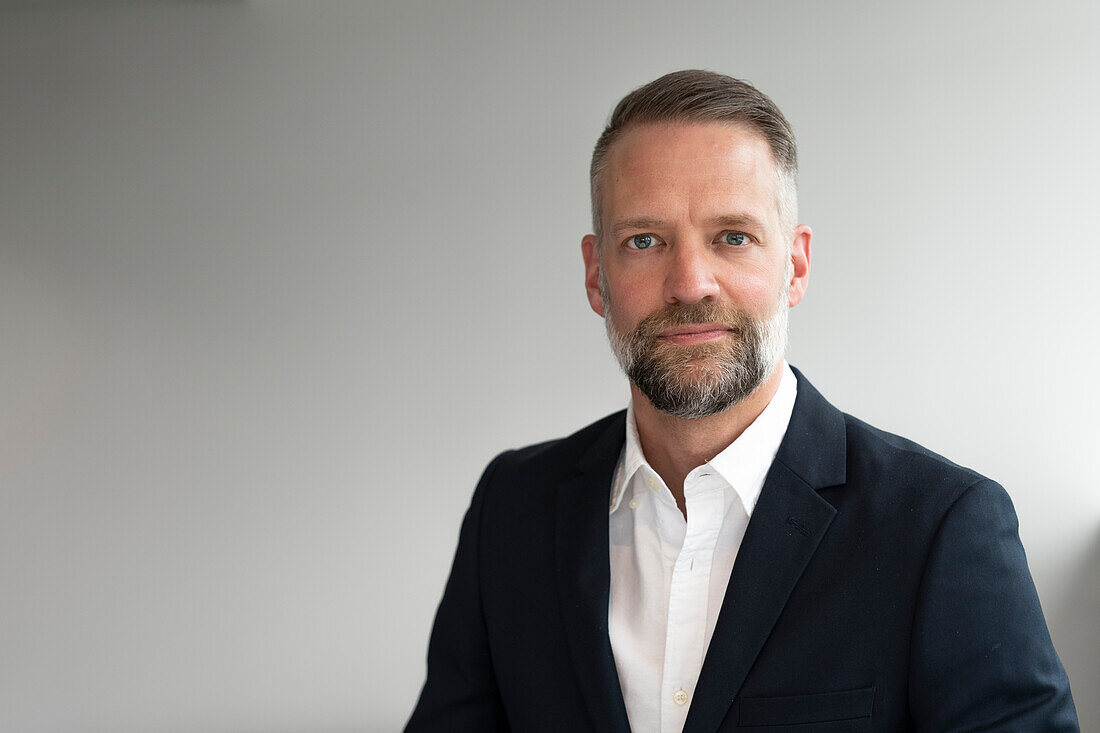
(278, 279)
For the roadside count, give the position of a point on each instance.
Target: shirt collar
(630, 461)
(743, 464)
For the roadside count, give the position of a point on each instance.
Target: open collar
(742, 464)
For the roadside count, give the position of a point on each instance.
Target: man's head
(693, 95)
(696, 256)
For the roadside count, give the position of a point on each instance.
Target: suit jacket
(879, 587)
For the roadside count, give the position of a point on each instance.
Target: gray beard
(704, 379)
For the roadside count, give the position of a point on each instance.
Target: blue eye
(640, 241)
(734, 238)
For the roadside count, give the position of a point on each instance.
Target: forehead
(693, 169)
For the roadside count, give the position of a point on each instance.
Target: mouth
(695, 333)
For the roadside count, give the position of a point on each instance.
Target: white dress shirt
(668, 575)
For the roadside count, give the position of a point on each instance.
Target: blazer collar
(815, 444)
(786, 528)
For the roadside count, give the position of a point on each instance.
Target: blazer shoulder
(520, 486)
(878, 457)
(561, 455)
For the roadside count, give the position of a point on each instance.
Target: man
(732, 552)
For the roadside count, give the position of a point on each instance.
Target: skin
(687, 185)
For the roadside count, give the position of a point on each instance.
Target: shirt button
(633, 503)
(680, 697)
(652, 483)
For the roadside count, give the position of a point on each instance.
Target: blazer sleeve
(981, 656)
(461, 693)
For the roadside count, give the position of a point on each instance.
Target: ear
(590, 251)
(800, 258)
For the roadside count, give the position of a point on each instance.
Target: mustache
(679, 314)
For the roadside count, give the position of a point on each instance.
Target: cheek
(630, 304)
(753, 289)
(635, 294)
(631, 292)
(627, 307)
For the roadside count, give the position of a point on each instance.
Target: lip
(695, 333)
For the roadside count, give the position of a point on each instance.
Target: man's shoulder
(893, 476)
(827, 447)
(881, 483)
(562, 455)
(520, 486)
(873, 448)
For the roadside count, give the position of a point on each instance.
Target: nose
(690, 275)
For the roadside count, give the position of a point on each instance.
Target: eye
(641, 241)
(733, 238)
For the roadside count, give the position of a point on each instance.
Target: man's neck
(674, 446)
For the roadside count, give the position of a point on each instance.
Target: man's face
(696, 272)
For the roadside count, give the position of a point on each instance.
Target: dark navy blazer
(879, 587)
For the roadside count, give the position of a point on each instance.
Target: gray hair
(704, 96)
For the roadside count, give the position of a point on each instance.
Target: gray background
(278, 279)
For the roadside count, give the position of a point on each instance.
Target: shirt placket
(688, 599)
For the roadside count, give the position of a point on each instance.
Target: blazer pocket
(799, 709)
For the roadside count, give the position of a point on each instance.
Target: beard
(692, 381)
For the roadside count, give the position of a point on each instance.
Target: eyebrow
(637, 223)
(743, 221)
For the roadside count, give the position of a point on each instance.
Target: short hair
(694, 95)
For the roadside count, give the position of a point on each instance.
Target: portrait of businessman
(731, 551)
(287, 290)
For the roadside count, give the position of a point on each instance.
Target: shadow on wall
(1079, 640)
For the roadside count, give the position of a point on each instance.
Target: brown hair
(703, 96)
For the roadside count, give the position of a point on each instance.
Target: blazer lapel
(584, 576)
(786, 528)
